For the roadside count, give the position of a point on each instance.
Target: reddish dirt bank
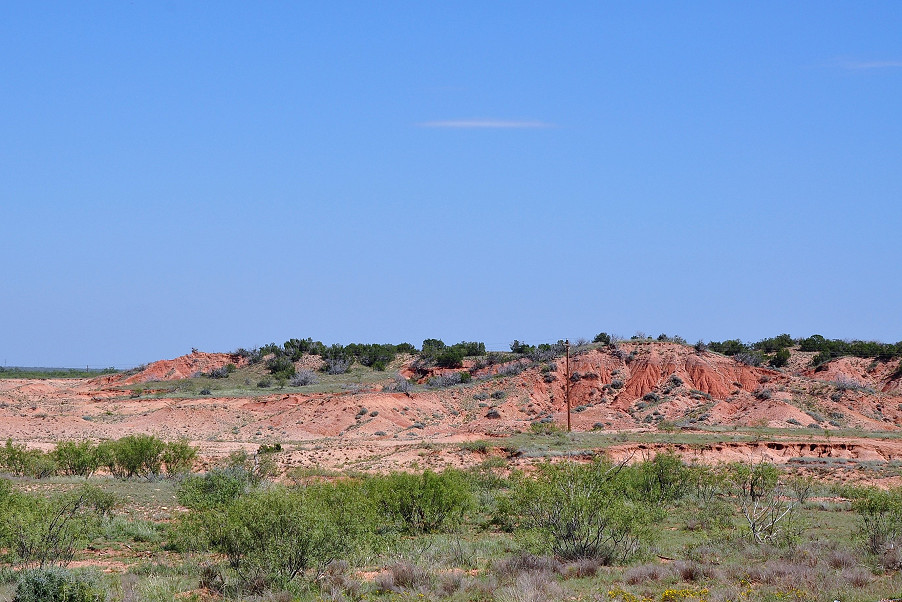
(640, 386)
(185, 366)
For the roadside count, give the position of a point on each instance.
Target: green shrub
(216, 488)
(60, 585)
(730, 347)
(20, 461)
(665, 478)
(105, 456)
(336, 354)
(545, 428)
(879, 518)
(521, 348)
(603, 338)
(754, 481)
(37, 531)
(76, 458)
(138, 455)
(780, 358)
(431, 348)
(40, 465)
(13, 458)
(450, 357)
(579, 511)
(430, 502)
(179, 456)
(258, 467)
(295, 349)
(271, 537)
(374, 355)
(408, 348)
(280, 367)
(829, 349)
(103, 502)
(707, 482)
(773, 344)
(471, 348)
(480, 446)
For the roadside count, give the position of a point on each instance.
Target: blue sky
(178, 175)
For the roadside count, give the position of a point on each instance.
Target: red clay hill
(639, 386)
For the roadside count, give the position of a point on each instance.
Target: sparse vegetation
(131, 456)
(42, 373)
(537, 515)
(267, 538)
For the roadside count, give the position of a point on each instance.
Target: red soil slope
(640, 386)
(181, 367)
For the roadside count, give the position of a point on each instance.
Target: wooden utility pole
(567, 385)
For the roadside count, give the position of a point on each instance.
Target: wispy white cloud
(859, 65)
(484, 123)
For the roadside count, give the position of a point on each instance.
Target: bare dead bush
(338, 365)
(511, 369)
(403, 575)
(400, 385)
(451, 582)
(644, 573)
(764, 394)
(303, 378)
(336, 581)
(857, 577)
(532, 587)
(689, 570)
(727, 593)
(748, 359)
(801, 487)
(841, 559)
(580, 569)
(522, 563)
(444, 380)
(891, 558)
(761, 573)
